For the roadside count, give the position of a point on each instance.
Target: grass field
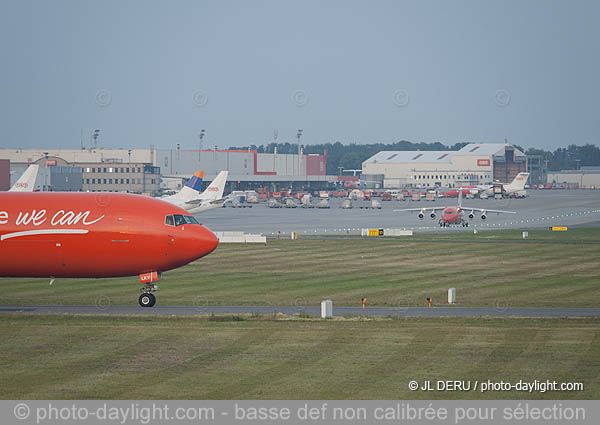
(275, 357)
(548, 270)
(67, 357)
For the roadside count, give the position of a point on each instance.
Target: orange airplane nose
(209, 240)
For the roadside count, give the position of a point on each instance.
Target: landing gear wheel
(147, 300)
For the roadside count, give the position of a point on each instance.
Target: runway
(464, 312)
(543, 208)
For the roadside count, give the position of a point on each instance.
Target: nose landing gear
(147, 299)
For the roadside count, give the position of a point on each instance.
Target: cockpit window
(448, 212)
(190, 220)
(179, 219)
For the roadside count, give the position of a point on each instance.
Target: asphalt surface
(543, 208)
(500, 311)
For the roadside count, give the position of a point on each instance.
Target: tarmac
(464, 312)
(541, 209)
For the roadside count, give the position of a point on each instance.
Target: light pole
(201, 137)
(298, 136)
(95, 136)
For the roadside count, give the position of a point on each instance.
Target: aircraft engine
(432, 215)
(471, 215)
(421, 215)
(483, 215)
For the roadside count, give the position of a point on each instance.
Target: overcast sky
(156, 72)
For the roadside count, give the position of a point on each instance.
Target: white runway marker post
(326, 309)
(452, 296)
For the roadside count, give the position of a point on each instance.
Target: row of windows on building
(454, 177)
(113, 170)
(116, 181)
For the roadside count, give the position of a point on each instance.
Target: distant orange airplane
(96, 235)
(454, 215)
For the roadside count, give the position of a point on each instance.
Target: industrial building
(141, 170)
(248, 168)
(476, 163)
(585, 178)
(100, 170)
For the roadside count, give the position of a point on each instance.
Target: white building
(140, 170)
(476, 163)
(585, 178)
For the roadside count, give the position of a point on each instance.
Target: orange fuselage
(94, 235)
(452, 215)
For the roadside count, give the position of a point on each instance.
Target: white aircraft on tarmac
(192, 200)
(26, 182)
(514, 188)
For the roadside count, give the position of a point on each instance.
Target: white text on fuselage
(59, 218)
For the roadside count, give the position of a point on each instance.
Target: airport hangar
(149, 170)
(475, 163)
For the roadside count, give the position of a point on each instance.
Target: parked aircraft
(517, 185)
(188, 192)
(190, 198)
(508, 189)
(454, 215)
(97, 235)
(26, 182)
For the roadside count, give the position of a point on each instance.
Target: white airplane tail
(216, 188)
(26, 182)
(518, 184)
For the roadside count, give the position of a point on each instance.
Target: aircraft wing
(197, 202)
(193, 203)
(196, 206)
(421, 209)
(486, 210)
